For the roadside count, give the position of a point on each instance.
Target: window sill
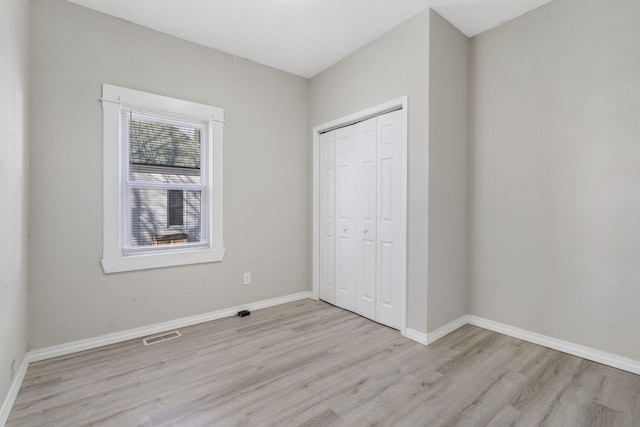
(156, 260)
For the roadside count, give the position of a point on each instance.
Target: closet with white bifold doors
(362, 236)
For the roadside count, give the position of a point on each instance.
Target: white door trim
(392, 105)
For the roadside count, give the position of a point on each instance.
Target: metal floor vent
(162, 337)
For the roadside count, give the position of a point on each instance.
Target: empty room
(320, 213)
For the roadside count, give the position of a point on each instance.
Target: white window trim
(113, 259)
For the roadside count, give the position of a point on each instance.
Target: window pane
(160, 152)
(150, 222)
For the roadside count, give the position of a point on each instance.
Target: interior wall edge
(448, 188)
(10, 399)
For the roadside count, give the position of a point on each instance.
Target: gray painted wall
(555, 178)
(448, 102)
(552, 199)
(266, 176)
(397, 64)
(13, 187)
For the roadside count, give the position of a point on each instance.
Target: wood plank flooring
(311, 364)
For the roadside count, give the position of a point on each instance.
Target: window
(175, 209)
(162, 181)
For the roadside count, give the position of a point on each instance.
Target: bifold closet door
(362, 244)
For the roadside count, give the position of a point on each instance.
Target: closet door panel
(390, 253)
(327, 216)
(365, 253)
(345, 216)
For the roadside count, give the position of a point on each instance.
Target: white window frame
(114, 258)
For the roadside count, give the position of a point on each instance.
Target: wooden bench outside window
(169, 239)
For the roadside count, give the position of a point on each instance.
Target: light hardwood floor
(309, 363)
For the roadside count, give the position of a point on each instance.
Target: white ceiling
(302, 37)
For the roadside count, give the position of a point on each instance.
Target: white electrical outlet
(246, 278)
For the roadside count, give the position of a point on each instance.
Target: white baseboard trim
(431, 337)
(609, 359)
(13, 391)
(446, 329)
(417, 336)
(603, 357)
(117, 337)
